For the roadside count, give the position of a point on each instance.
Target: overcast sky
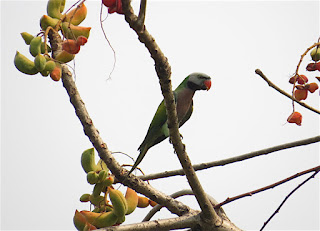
(42, 139)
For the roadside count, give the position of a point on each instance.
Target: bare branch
(202, 166)
(163, 70)
(228, 200)
(259, 72)
(287, 197)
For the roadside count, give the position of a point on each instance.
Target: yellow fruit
(54, 8)
(118, 201)
(143, 202)
(73, 32)
(64, 57)
(40, 62)
(76, 15)
(46, 21)
(35, 46)
(132, 200)
(24, 64)
(88, 160)
(100, 220)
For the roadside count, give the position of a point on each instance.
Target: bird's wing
(187, 116)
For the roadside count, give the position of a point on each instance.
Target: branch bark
(163, 70)
(202, 166)
(260, 73)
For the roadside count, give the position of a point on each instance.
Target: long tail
(139, 159)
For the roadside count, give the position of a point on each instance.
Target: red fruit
(70, 46)
(56, 73)
(295, 117)
(292, 80)
(313, 66)
(108, 3)
(313, 87)
(302, 79)
(300, 94)
(81, 40)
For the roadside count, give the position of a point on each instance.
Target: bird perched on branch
(183, 94)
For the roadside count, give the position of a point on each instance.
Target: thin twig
(259, 72)
(163, 70)
(228, 200)
(202, 166)
(287, 197)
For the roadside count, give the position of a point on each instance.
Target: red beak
(207, 83)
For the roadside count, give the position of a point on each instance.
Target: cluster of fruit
(113, 6)
(105, 213)
(75, 36)
(301, 87)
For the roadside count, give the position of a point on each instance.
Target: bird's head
(199, 81)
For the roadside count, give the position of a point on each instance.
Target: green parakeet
(158, 129)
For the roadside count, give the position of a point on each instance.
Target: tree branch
(202, 166)
(90, 130)
(163, 70)
(228, 200)
(259, 72)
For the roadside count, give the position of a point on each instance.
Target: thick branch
(90, 130)
(202, 166)
(259, 72)
(163, 70)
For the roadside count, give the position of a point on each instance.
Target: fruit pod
(118, 201)
(40, 62)
(92, 177)
(315, 54)
(97, 201)
(132, 200)
(55, 7)
(35, 46)
(56, 73)
(143, 202)
(102, 175)
(71, 46)
(101, 165)
(295, 117)
(50, 65)
(76, 15)
(88, 160)
(64, 57)
(73, 32)
(46, 21)
(85, 197)
(152, 203)
(100, 220)
(25, 65)
(98, 188)
(27, 37)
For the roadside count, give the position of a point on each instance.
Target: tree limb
(163, 70)
(202, 166)
(90, 130)
(259, 72)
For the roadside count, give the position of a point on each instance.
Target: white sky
(42, 139)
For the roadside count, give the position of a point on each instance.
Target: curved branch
(259, 72)
(202, 166)
(91, 131)
(163, 70)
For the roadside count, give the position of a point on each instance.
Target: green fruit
(35, 46)
(98, 188)
(50, 65)
(27, 37)
(97, 201)
(55, 7)
(24, 64)
(315, 54)
(92, 177)
(88, 160)
(46, 21)
(105, 220)
(102, 165)
(85, 197)
(118, 201)
(102, 175)
(64, 57)
(40, 62)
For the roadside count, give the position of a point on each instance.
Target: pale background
(42, 139)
